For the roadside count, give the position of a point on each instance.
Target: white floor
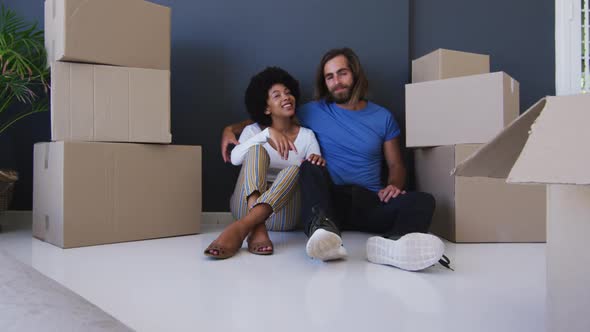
(168, 285)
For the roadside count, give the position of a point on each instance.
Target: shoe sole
(412, 252)
(325, 245)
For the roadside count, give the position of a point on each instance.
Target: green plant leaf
(24, 76)
(39, 106)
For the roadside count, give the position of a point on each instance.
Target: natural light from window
(585, 83)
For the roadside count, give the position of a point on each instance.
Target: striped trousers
(283, 194)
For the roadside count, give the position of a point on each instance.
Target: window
(585, 46)
(572, 46)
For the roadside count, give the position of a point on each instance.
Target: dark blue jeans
(359, 209)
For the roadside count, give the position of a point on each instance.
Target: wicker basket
(7, 180)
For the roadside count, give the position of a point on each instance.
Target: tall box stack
(454, 105)
(118, 89)
(110, 91)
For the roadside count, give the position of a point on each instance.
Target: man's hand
(316, 160)
(281, 143)
(227, 138)
(389, 192)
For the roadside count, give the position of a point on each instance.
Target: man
(355, 136)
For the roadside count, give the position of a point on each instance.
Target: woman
(266, 195)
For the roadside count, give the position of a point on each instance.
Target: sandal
(223, 252)
(256, 247)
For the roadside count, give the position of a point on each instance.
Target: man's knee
(307, 168)
(423, 205)
(419, 198)
(425, 201)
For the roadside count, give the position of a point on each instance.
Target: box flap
(496, 158)
(557, 150)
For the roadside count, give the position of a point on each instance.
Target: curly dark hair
(257, 92)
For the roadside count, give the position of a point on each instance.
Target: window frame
(568, 47)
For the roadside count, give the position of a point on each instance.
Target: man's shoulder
(376, 107)
(380, 110)
(310, 112)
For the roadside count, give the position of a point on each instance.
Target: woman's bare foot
(258, 241)
(228, 242)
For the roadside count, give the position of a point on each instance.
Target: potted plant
(24, 78)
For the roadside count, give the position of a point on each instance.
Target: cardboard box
(463, 110)
(130, 33)
(87, 193)
(442, 64)
(106, 103)
(556, 152)
(478, 209)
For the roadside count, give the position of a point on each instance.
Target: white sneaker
(412, 252)
(325, 245)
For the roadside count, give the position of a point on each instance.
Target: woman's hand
(281, 143)
(315, 159)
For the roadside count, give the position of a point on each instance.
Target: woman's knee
(291, 169)
(288, 174)
(256, 151)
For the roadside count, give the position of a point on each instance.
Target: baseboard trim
(207, 218)
(216, 218)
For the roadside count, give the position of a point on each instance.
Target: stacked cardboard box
(128, 98)
(547, 145)
(453, 106)
(110, 90)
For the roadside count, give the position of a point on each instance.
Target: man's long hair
(360, 85)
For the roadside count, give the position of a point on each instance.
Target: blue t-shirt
(351, 141)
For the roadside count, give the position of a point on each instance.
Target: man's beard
(342, 97)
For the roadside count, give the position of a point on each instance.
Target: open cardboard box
(548, 144)
(478, 209)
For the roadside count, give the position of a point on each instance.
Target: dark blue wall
(218, 45)
(519, 36)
